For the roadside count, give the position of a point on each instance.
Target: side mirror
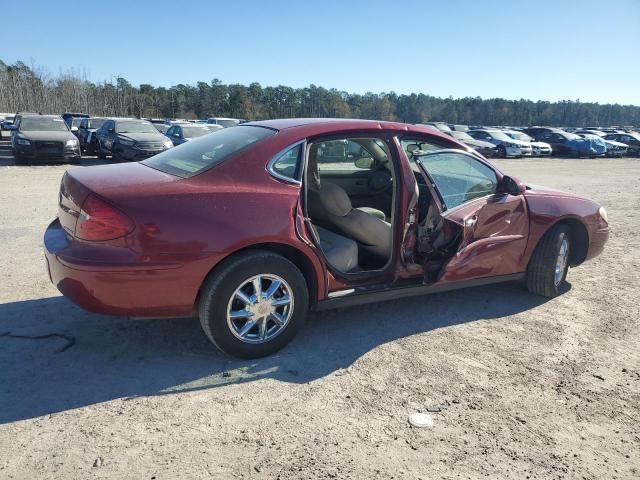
(74, 129)
(511, 186)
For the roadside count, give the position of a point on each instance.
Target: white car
(505, 145)
(538, 149)
(225, 122)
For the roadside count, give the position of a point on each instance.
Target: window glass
(207, 151)
(47, 124)
(288, 162)
(355, 154)
(459, 177)
(135, 126)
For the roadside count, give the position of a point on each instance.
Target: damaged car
(251, 227)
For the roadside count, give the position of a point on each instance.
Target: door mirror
(74, 129)
(510, 186)
(111, 130)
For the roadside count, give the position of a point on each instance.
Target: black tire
(541, 273)
(19, 159)
(88, 150)
(219, 288)
(501, 152)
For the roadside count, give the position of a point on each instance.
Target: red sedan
(250, 227)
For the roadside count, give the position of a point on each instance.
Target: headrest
(335, 199)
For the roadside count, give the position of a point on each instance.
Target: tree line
(31, 88)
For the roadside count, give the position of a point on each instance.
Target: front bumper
(540, 152)
(47, 153)
(124, 287)
(134, 153)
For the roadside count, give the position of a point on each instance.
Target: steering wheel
(380, 180)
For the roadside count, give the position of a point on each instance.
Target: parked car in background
(613, 148)
(44, 138)
(441, 126)
(275, 229)
(68, 116)
(458, 128)
(538, 149)
(224, 122)
(565, 143)
(129, 140)
(7, 122)
(73, 124)
(183, 132)
(162, 127)
(487, 149)
(86, 133)
(505, 145)
(632, 140)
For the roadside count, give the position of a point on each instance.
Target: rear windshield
(200, 154)
(96, 122)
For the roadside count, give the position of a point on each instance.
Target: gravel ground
(517, 386)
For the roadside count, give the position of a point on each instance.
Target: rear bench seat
(341, 252)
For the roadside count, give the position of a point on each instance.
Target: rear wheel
(501, 152)
(549, 264)
(254, 305)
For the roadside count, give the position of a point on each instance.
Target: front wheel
(254, 305)
(501, 151)
(549, 264)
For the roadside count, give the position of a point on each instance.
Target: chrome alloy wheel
(260, 308)
(561, 262)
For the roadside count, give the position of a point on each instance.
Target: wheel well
(292, 254)
(579, 241)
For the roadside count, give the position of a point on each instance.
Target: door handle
(470, 222)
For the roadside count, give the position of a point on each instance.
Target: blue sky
(543, 49)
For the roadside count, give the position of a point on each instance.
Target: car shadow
(106, 358)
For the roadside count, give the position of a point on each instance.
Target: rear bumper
(117, 288)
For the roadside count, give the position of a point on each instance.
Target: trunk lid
(111, 182)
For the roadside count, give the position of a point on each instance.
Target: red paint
(184, 227)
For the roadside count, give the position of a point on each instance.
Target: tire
(545, 263)
(218, 297)
(88, 150)
(501, 152)
(100, 154)
(115, 157)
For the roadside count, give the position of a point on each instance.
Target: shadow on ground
(119, 357)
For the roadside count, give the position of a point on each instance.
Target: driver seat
(330, 207)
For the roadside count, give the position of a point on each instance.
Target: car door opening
(350, 190)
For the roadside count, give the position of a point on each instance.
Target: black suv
(128, 139)
(43, 138)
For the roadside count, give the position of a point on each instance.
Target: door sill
(362, 295)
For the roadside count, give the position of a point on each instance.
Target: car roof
(318, 126)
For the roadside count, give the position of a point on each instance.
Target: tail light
(100, 221)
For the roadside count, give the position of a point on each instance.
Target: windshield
(203, 153)
(520, 136)
(134, 126)
(461, 135)
(500, 136)
(192, 132)
(96, 122)
(43, 124)
(75, 122)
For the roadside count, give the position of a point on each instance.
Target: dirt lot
(518, 387)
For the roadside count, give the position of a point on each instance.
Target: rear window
(200, 154)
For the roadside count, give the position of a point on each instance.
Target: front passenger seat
(338, 215)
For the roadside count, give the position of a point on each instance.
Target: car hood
(478, 143)
(540, 144)
(540, 190)
(40, 136)
(144, 137)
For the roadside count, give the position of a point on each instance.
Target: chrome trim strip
(284, 178)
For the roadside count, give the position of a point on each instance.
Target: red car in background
(250, 227)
